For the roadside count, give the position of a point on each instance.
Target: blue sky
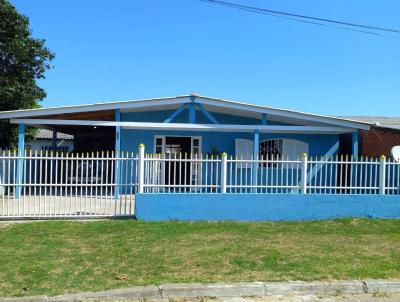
(130, 49)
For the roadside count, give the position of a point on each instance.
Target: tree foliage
(23, 60)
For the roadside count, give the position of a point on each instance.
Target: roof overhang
(189, 127)
(212, 104)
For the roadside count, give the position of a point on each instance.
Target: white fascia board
(284, 112)
(181, 100)
(190, 127)
(94, 107)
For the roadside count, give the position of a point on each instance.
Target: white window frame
(283, 144)
(163, 137)
(162, 144)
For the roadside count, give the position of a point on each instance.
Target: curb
(255, 289)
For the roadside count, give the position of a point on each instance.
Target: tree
(23, 60)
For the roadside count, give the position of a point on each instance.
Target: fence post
(303, 181)
(382, 175)
(224, 165)
(141, 169)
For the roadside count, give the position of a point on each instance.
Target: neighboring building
(379, 140)
(193, 124)
(44, 141)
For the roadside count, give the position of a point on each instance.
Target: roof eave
(185, 99)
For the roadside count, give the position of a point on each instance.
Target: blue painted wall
(263, 207)
(225, 142)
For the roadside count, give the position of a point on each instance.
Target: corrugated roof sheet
(379, 121)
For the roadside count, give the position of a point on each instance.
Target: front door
(177, 172)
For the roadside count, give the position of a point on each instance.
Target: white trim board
(144, 103)
(95, 107)
(190, 127)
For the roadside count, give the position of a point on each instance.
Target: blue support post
(54, 141)
(20, 165)
(192, 110)
(117, 173)
(256, 139)
(264, 120)
(354, 144)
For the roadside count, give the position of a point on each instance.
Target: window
(289, 149)
(271, 149)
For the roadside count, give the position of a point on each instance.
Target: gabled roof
(212, 104)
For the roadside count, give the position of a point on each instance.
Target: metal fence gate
(47, 185)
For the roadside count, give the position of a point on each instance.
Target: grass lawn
(54, 257)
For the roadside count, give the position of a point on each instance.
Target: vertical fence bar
(382, 175)
(141, 169)
(303, 181)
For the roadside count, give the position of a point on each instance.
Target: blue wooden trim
(117, 173)
(20, 165)
(354, 141)
(206, 113)
(192, 110)
(264, 120)
(175, 113)
(54, 141)
(256, 142)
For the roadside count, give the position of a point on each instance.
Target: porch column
(54, 141)
(117, 173)
(20, 163)
(256, 139)
(354, 144)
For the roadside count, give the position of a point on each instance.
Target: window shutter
(243, 148)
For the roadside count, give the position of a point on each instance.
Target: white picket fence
(60, 185)
(223, 174)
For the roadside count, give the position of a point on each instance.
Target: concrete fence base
(264, 207)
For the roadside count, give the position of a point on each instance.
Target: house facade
(193, 124)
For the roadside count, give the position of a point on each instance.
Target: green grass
(56, 257)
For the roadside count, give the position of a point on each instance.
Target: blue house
(192, 124)
(293, 188)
